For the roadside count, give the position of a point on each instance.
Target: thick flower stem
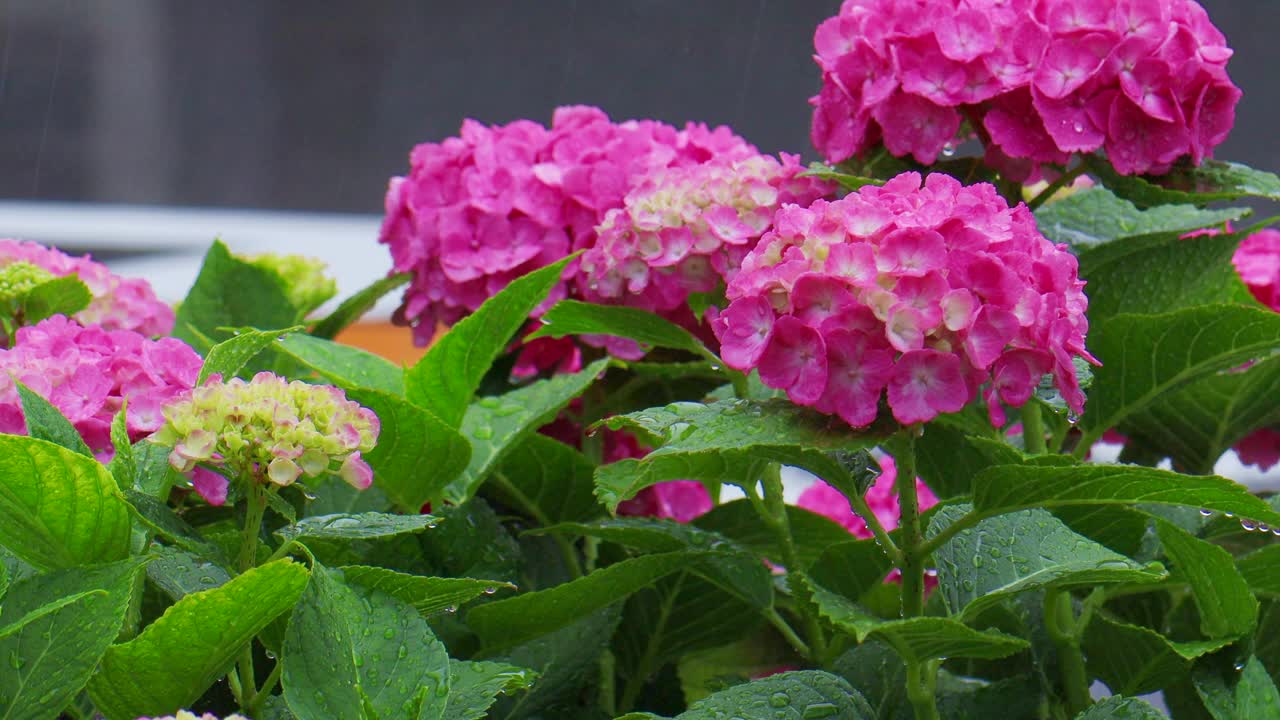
(1064, 631)
(774, 513)
(255, 507)
(1066, 178)
(911, 551)
(922, 679)
(1033, 429)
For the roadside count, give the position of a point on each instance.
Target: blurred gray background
(312, 104)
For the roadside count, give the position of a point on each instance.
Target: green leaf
(1160, 273)
(570, 317)
(1256, 694)
(123, 465)
(1227, 608)
(230, 292)
(49, 658)
(417, 455)
(179, 573)
(1146, 357)
(58, 508)
(351, 309)
(345, 366)
(153, 475)
(388, 662)
(180, 655)
(1261, 569)
(1134, 660)
(547, 480)
(428, 595)
(919, 638)
(473, 542)
(847, 181)
(66, 295)
(803, 694)
(947, 459)
(852, 567)
(446, 377)
(1211, 181)
(1018, 552)
(811, 533)
(1095, 216)
(1197, 423)
(1121, 708)
(733, 569)
(729, 441)
(498, 425)
(46, 422)
(163, 521)
(360, 526)
(473, 686)
(1007, 488)
(229, 357)
(565, 660)
(522, 618)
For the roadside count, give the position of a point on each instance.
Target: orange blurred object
(392, 342)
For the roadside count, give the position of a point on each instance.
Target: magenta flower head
(881, 497)
(117, 304)
(925, 292)
(481, 209)
(1145, 80)
(89, 373)
(685, 230)
(269, 430)
(1258, 262)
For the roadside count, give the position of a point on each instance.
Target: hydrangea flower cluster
(881, 497)
(926, 291)
(685, 230)
(118, 303)
(1258, 262)
(305, 282)
(481, 209)
(269, 429)
(89, 373)
(1145, 80)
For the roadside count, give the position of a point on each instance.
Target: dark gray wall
(312, 104)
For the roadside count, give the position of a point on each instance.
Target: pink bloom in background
(1258, 262)
(685, 229)
(1144, 80)
(825, 500)
(925, 293)
(679, 500)
(1261, 448)
(118, 303)
(88, 373)
(481, 209)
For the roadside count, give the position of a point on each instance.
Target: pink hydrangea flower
(679, 500)
(1258, 262)
(1261, 448)
(118, 303)
(478, 210)
(1144, 80)
(685, 229)
(268, 429)
(881, 497)
(928, 292)
(89, 373)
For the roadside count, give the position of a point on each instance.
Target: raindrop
(1239, 666)
(489, 402)
(820, 710)
(359, 661)
(490, 590)
(977, 561)
(1248, 525)
(483, 432)
(1275, 531)
(1230, 515)
(948, 150)
(403, 652)
(388, 633)
(780, 699)
(507, 410)
(1205, 512)
(451, 609)
(1072, 418)
(1078, 126)
(207, 580)
(1263, 527)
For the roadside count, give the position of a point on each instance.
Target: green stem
(741, 388)
(859, 505)
(1085, 445)
(607, 665)
(911, 550)
(1063, 180)
(253, 706)
(645, 668)
(922, 679)
(775, 515)
(255, 508)
(784, 629)
(1033, 428)
(1064, 631)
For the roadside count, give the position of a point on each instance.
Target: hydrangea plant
(700, 434)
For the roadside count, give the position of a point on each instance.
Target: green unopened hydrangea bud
(305, 281)
(271, 430)
(19, 278)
